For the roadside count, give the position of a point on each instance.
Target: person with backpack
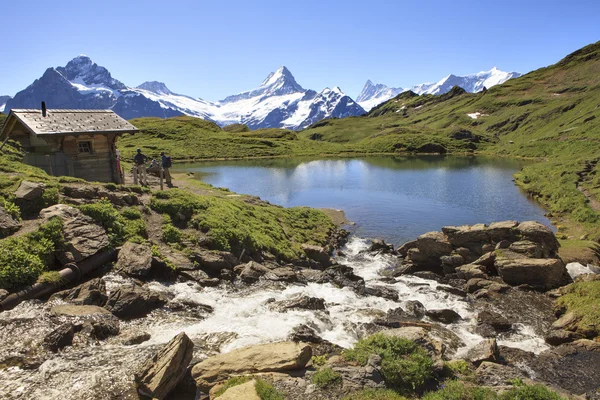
(166, 165)
(139, 161)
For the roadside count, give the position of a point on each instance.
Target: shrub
(374, 394)
(326, 377)
(23, 259)
(131, 213)
(175, 201)
(405, 366)
(319, 361)
(11, 209)
(458, 367)
(170, 234)
(530, 392)
(120, 227)
(264, 390)
(50, 277)
(457, 390)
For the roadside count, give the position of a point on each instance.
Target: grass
(457, 390)
(583, 299)
(405, 366)
(234, 224)
(23, 259)
(121, 226)
(374, 394)
(264, 390)
(326, 377)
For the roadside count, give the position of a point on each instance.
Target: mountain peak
(155, 87)
(83, 70)
(281, 77)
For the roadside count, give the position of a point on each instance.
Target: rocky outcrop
(161, 373)
(92, 292)
(444, 315)
(518, 253)
(83, 238)
(486, 350)
(343, 276)
(133, 302)
(299, 302)
(272, 357)
(492, 374)
(251, 272)
(318, 254)
(135, 260)
(8, 225)
(245, 391)
(28, 197)
(213, 262)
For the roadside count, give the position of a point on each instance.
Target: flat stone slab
(77, 311)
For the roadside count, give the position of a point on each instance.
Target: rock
(496, 321)
(415, 308)
(538, 272)
(300, 302)
(130, 338)
(469, 236)
(29, 191)
(566, 321)
(528, 248)
(486, 350)
(193, 275)
(69, 310)
(444, 315)
(214, 261)
(318, 254)
(135, 260)
(434, 244)
(343, 276)
(539, 233)
(432, 276)
(403, 250)
(451, 262)
(381, 246)
(503, 230)
(476, 284)
(381, 291)
(60, 337)
(492, 374)
(282, 274)
(486, 260)
(133, 302)
(245, 391)
(452, 290)
(161, 373)
(251, 272)
(3, 294)
(8, 225)
(271, 357)
(503, 244)
(559, 336)
(83, 238)
(102, 328)
(470, 271)
(306, 334)
(369, 376)
(92, 292)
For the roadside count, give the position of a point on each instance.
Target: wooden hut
(79, 143)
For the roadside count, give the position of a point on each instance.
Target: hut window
(85, 147)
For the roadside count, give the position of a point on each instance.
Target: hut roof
(70, 122)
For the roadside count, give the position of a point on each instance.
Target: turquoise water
(394, 198)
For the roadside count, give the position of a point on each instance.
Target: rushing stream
(241, 317)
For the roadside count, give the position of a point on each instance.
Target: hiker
(140, 168)
(166, 165)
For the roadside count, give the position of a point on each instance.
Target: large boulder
(492, 374)
(251, 272)
(503, 230)
(29, 191)
(70, 310)
(486, 350)
(161, 373)
(434, 245)
(542, 273)
(212, 261)
(92, 292)
(299, 302)
(343, 276)
(245, 391)
(318, 254)
(271, 357)
(490, 322)
(83, 237)
(8, 225)
(539, 233)
(468, 236)
(60, 337)
(443, 315)
(135, 260)
(421, 337)
(133, 302)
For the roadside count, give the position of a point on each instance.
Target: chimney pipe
(43, 109)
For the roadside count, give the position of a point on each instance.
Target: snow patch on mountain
(3, 100)
(374, 94)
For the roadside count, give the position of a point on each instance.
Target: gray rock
(251, 272)
(318, 254)
(381, 291)
(503, 230)
(299, 302)
(539, 233)
(214, 261)
(403, 250)
(133, 302)
(434, 244)
(92, 292)
(528, 248)
(486, 350)
(343, 276)
(470, 271)
(282, 274)
(489, 323)
(444, 315)
(83, 238)
(469, 236)
(69, 310)
(451, 262)
(3, 294)
(134, 337)
(415, 309)
(8, 225)
(380, 246)
(540, 273)
(30, 191)
(305, 334)
(559, 336)
(60, 337)
(161, 373)
(492, 374)
(135, 260)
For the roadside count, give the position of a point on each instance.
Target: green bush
(176, 201)
(458, 367)
(405, 366)
(23, 259)
(11, 209)
(581, 298)
(374, 394)
(326, 377)
(264, 390)
(170, 234)
(319, 361)
(120, 226)
(457, 390)
(530, 392)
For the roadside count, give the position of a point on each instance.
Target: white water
(241, 317)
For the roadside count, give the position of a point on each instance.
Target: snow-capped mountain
(373, 95)
(3, 100)
(279, 102)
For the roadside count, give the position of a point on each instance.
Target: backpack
(167, 162)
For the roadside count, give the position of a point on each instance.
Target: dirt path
(583, 176)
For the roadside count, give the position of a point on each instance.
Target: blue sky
(217, 48)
